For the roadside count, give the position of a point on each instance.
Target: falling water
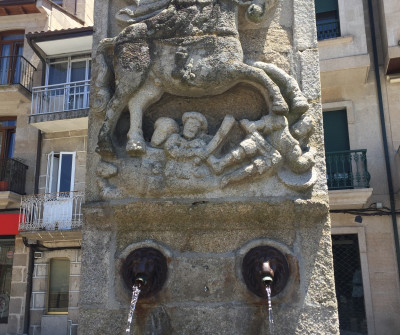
(271, 319)
(135, 297)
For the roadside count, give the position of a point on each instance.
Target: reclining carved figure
(186, 48)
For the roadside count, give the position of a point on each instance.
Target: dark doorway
(349, 285)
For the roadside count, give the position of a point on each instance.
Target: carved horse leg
(288, 85)
(114, 109)
(147, 95)
(283, 141)
(241, 72)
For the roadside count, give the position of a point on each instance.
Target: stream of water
(270, 317)
(135, 297)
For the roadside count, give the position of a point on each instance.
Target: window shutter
(322, 6)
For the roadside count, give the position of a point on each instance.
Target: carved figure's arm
(138, 12)
(179, 148)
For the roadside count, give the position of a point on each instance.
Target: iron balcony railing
(328, 29)
(347, 169)
(60, 97)
(12, 176)
(51, 211)
(16, 70)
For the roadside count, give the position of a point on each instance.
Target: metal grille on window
(349, 285)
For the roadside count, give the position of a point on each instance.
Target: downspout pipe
(384, 136)
(31, 266)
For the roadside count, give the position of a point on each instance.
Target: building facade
(45, 64)
(360, 93)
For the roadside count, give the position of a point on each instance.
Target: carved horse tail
(104, 68)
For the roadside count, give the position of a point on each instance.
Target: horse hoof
(136, 148)
(300, 105)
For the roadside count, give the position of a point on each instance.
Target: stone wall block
(16, 305)
(310, 81)
(98, 255)
(20, 260)
(40, 270)
(304, 28)
(39, 300)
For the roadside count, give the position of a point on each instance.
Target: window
(58, 2)
(59, 201)
(11, 50)
(327, 16)
(67, 80)
(58, 295)
(7, 136)
(60, 172)
(339, 167)
(68, 69)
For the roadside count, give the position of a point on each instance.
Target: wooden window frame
(5, 132)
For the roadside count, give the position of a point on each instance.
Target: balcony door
(11, 50)
(58, 205)
(67, 83)
(7, 141)
(337, 149)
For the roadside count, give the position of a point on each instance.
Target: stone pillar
(205, 141)
(19, 283)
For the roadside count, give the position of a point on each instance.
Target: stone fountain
(206, 178)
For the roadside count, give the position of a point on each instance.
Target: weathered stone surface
(192, 50)
(205, 141)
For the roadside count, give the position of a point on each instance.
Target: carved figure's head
(263, 262)
(164, 127)
(194, 123)
(147, 267)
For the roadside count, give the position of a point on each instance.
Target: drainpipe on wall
(38, 156)
(384, 137)
(31, 265)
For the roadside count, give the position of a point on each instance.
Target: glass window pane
(11, 144)
(65, 173)
(4, 64)
(58, 286)
(1, 149)
(58, 73)
(78, 71)
(6, 261)
(8, 123)
(11, 37)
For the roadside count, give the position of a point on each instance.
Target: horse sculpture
(186, 48)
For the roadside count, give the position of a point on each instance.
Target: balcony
(16, 76)
(12, 182)
(60, 107)
(328, 29)
(348, 179)
(51, 215)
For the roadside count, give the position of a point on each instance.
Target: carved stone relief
(189, 49)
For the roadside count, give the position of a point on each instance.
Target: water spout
(135, 297)
(267, 280)
(270, 317)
